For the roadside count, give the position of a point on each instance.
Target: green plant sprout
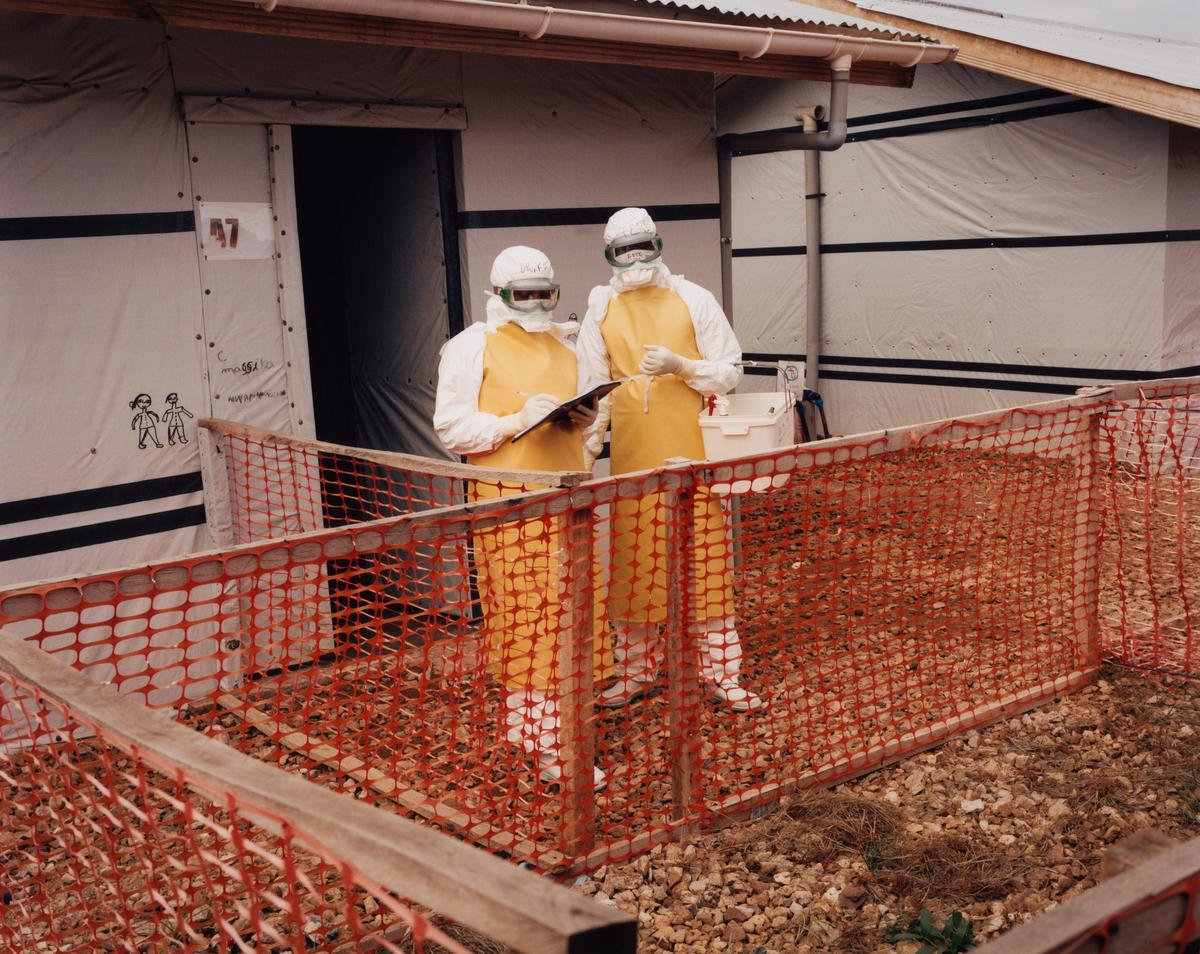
(956, 934)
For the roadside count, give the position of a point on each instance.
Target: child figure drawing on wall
(144, 421)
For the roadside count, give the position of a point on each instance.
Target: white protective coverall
(496, 378)
(655, 416)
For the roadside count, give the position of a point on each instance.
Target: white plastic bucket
(755, 423)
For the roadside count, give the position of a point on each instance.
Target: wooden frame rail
(519, 908)
(1154, 906)
(410, 462)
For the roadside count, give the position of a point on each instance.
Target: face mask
(499, 310)
(636, 276)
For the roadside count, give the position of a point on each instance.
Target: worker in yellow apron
(496, 379)
(672, 339)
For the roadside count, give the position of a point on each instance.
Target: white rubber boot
(636, 649)
(531, 718)
(721, 664)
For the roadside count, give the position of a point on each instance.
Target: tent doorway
(375, 218)
(375, 213)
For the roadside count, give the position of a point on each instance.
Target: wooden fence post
(682, 651)
(1086, 564)
(576, 688)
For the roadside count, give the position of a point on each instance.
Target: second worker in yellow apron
(497, 378)
(672, 339)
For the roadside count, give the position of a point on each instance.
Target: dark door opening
(378, 251)
(375, 213)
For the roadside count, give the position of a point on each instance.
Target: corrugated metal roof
(785, 10)
(1171, 61)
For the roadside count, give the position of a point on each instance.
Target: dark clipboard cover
(561, 412)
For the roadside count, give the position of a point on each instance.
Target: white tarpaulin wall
(101, 299)
(985, 243)
(554, 148)
(114, 283)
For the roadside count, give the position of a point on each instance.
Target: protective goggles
(645, 247)
(529, 294)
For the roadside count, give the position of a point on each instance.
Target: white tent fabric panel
(213, 62)
(1025, 308)
(1183, 170)
(112, 91)
(546, 134)
(105, 312)
(100, 339)
(1077, 199)
(858, 407)
(567, 145)
(1045, 307)
(246, 362)
(100, 302)
(1079, 174)
(78, 561)
(1181, 318)
(1082, 172)
(577, 253)
(768, 201)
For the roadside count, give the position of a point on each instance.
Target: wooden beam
(427, 466)
(472, 887)
(1147, 904)
(1141, 94)
(576, 689)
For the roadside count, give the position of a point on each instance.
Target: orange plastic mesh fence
(1150, 586)
(261, 484)
(107, 846)
(784, 620)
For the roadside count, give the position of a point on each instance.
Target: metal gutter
(536, 21)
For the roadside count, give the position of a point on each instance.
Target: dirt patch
(1000, 825)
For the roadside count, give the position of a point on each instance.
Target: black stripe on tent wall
(530, 218)
(95, 226)
(994, 241)
(959, 122)
(969, 122)
(56, 505)
(937, 109)
(900, 127)
(990, 367)
(109, 531)
(977, 367)
(939, 380)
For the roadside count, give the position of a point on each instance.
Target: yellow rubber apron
(654, 418)
(520, 564)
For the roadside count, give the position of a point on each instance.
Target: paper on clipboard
(563, 410)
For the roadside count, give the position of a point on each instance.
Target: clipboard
(563, 410)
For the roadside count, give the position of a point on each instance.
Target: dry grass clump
(473, 941)
(818, 827)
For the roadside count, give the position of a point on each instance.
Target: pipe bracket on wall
(826, 141)
(761, 51)
(545, 25)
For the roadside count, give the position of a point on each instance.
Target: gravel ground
(999, 825)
